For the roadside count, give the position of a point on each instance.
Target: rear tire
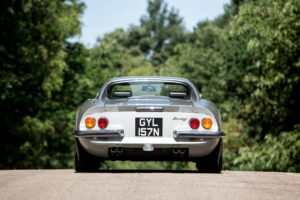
(83, 161)
(213, 162)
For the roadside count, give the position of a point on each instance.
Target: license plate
(146, 126)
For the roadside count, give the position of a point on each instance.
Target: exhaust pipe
(181, 151)
(119, 150)
(116, 151)
(175, 151)
(113, 150)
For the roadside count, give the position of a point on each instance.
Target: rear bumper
(197, 134)
(100, 143)
(119, 133)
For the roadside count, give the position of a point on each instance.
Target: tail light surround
(102, 122)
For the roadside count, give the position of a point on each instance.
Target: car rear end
(137, 122)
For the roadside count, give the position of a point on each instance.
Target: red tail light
(102, 122)
(194, 123)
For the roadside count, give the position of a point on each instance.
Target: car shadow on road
(118, 171)
(147, 171)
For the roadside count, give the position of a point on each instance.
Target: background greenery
(246, 60)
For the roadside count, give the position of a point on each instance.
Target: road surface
(65, 184)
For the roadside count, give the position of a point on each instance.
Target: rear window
(140, 89)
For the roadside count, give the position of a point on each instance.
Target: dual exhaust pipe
(179, 151)
(116, 150)
(119, 151)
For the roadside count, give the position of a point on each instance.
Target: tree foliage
(159, 31)
(33, 64)
(271, 81)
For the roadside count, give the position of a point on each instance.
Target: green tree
(159, 31)
(32, 56)
(202, 60)
(146, 45)
(276, 153)
(264, 60)
(116, 56)
(269, 34)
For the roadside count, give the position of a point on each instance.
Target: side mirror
(122, 94)
(177, 95)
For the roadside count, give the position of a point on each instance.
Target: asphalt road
(65, 184)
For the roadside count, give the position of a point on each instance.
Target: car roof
(149, 78)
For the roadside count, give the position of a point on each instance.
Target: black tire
(213, 162)
(83, 161)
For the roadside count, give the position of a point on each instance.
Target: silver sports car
(148, 118)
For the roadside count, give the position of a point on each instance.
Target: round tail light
(102, 122)
(194, 123)
(90, 122)
(206, 123)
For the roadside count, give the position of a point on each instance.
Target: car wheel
(213, 162)
(83, 161)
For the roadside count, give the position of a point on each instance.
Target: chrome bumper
(100, 134)
(197, 134)
(100, 142)
(120, 134)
